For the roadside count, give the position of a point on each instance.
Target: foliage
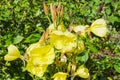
(23, 22)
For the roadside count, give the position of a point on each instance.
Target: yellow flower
(36, 69)
(13, 53)
(42, 54)
(81, 30)
(64, 41)
(99, 27)
(60, 76)
(80, 47)
(82, 72)
(32, 46)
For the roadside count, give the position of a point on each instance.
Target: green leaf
(117, 67)
(109, 78)
(108, 11)
(112, 19)
(91, 47)
(32, 38)
(108, 1)
(8, 39)
(83, 57)
(17, 39)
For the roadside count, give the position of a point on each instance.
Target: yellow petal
(82, 72)
(37, 69)
(58, 44)
(13, 53)
(56, 32)
(64, 41)
(99, 28)
(42, 55)
(32, 46)
(80, 47)
(69, 35)
(60, 76)
(69, 47)
(61, 27)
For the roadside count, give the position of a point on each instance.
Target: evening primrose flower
(64, 41)
(13, 53)
(99, 28)
(82, 72)
(60, 76)
(36, 69)
(42, 54)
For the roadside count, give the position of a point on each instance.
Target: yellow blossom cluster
(57, 39)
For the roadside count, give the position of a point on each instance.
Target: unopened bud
(63, 59)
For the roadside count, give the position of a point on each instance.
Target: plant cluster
(94, 49)
(58, 47)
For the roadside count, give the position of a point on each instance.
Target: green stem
(49, 19)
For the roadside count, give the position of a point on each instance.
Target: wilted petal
(13, 53)
(81, 30)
